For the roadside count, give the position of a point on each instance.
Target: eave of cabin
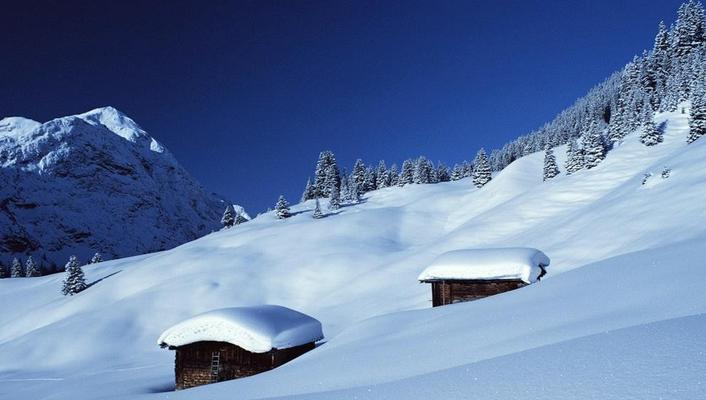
(474, 281)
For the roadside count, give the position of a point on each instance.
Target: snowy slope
(620, 313)
(94, 182)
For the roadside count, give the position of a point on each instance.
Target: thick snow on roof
(258, 329)
(487, 264)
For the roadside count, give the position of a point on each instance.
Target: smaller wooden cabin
(236, 342)
(467, 275)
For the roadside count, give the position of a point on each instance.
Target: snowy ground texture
(621, 313)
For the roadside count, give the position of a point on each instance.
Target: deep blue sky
(246, 94)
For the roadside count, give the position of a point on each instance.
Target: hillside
(620, 313)
(94, 182)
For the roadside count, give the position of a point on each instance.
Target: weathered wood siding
(448, 292)
(193, 363)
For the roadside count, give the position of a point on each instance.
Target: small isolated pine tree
(31, 268)
(75, 281)
(96, 258)
(666, 172)
(334, 202)
(282, 208)
(574, 157)
(228, 219)
(697, 115)
(550, 168)
(481, 169)
(16, 270)
(239, 218)
(650, 134)
(317, 211)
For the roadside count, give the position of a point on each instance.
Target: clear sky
(246, 94)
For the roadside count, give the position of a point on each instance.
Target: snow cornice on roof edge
(513, 263)
(257, 329)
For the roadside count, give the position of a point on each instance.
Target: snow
(94, 182)
(116, 122)
(620, 315)
(257, 329)
(240, 210)
(17, 126)
(516, 263)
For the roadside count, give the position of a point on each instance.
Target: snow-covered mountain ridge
(94, 182)
(620, 314)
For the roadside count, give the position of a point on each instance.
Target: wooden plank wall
(448, 292)
(192, 365)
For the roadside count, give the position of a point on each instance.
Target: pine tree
(407, 174)
(467, 169)
(317, 210)
(457, 172)
(326, 175)
(358, 176)
(31, 269)
(442, 173)
(333, 179)
(309, 191)
(75, 281)
(394, 174)
(16, 270)
(697, 115)
(228, 219)
(574, 157)
(594, 148)
(239, 219)
(345, 192)
(481, 169)
(650, 134)
(550, 168)
(334, 202)
(96, 258)
(370, 179)
(422, 171)
(689, 29)
(661, 63)
(355, 195)
(382, 177)
(670, 101)
(282, 208)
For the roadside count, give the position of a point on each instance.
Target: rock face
(94, 182)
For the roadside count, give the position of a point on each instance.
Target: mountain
(94, 182)
(620, 313)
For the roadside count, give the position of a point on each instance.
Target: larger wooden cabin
(467, 275)
(236, 342)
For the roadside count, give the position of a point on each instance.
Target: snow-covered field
(621, 313)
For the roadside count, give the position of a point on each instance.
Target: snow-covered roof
(513, 263)
(257, 329)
